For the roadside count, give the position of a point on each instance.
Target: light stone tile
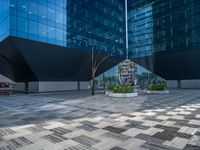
(73, 125)
(133, 132)
(138, 118)
(54, 124)
(22, 127)
(137, 113)
(37, 136)
(106, 144)
(132, 144)
(195, 122)
(97, 133)
(123, 118)
(103, 124)
(150, 123)
(3, 144)
(178, 117)
(172, 113)
(195, 140)
(76, 133)
(160, 110)
(40, 145)
(16, 135)
(121, 124)
(179, 109)
(66, 144)
(162, 117)
(191, 109)
(177, 142)
(198, 116)
(115, 115)
(167, 123)
(152, 131)
(188, 130)
(184, 113)
(150, 114)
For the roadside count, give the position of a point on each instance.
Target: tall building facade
(164, 37)
(52, 40)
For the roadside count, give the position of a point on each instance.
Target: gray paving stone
(76, 120)
(85, 140)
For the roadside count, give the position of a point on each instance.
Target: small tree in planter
(97, 61)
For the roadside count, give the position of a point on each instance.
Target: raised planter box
(122, 95)
(157, 92)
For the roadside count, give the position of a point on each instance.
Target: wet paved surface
(78, 121)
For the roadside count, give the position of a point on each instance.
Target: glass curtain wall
(157, 26)
(97, 25)
(44, 21)
(4, 19)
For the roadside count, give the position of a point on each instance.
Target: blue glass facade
(4, 19)
(86, 24)
(44, 21)
(162, 25)
(36, 34)
(164, 36)
(96, 23)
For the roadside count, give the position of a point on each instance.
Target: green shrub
(110, 87)
(157, 87)
(123, 89)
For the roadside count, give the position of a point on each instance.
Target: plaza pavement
(78, 121)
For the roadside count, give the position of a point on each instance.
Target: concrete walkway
(78, 121)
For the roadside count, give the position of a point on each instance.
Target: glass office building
(40, 32)
(164, 36)
(69, 23)
(4, 19)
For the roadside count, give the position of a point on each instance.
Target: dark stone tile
(191, 147)
(80, 147)
(114, 129)
(35, 129)
(54, 138)
(85, 140)
(60, 131)
(156, 146)
(152, 119)
(87, 128)
(183, 135)
(143, 127)
(164, 136)
(19, 142)
(167, 129)
(197, 133)
(6, 131)
(179, 122)
(88, 123)
(136, 124)
(117, 136)
(117, 148)
(190, 117)
(7, 147)
(149, 138)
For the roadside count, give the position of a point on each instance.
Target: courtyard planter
(157, 92)
(121, 95)
(157, 88)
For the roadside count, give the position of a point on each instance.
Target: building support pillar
(179, 84)
(78, 86)
(26, 87)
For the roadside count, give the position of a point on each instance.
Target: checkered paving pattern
(78, 121)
